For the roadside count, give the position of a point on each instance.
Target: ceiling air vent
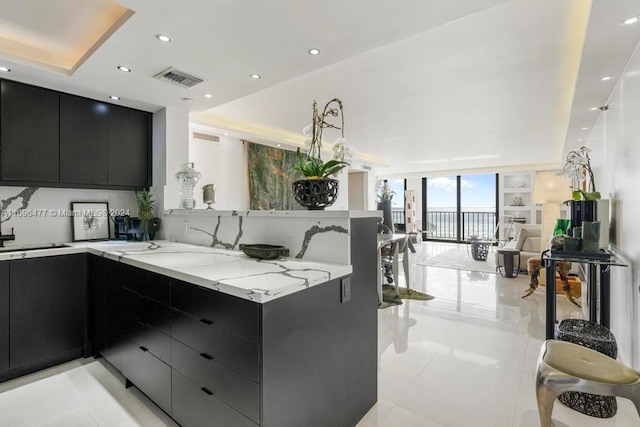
(177, 77)
(205, 137)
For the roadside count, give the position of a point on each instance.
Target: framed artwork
(90, 221)
(270, 178)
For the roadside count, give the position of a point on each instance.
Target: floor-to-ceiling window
(458, 207)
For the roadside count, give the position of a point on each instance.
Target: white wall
(221, 163)
(615, 141)
(225, 164)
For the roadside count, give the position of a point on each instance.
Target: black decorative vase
(387, 218)
(583, 210)
(315, 194)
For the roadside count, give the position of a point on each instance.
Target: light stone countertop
(226, 271)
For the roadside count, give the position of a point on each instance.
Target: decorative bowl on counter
(263, 251)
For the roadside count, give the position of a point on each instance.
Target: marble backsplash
(42, 215)
(313, 236)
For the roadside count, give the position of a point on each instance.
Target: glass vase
(187, 178)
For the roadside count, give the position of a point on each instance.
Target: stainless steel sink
(33, 247)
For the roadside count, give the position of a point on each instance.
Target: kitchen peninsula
(216, 338)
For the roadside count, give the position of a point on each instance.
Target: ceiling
(428, 86)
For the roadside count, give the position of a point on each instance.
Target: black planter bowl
(315, 194)
(262, 251)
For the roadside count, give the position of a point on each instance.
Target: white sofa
(527, 240)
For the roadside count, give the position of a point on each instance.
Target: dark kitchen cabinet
(28, 133)
(48, 310)
(151, 375)
(84, 130)
(129, 142)
(97, 304)
(195, 406)
(4, 316)
(54, 139)
(114, 343)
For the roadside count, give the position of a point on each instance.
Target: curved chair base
(563, 367)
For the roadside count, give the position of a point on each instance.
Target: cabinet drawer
(225, 311)
(144, 335)
(151, 285)
(233, 389)
(233, 351)
(148, 373)
(195, 406)
(147, 311)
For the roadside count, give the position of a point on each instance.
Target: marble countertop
(276, 214)
(230, 272)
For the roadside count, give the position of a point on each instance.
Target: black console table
(596, 269)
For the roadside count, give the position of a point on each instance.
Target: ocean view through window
(458, 207)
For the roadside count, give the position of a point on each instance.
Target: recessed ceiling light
(314, 51)
(163, 38)
(115, 98)
(585, 128)
(605, 78)
(208, 95)
(630, 21)
(5, 69)
(226, 134)
(187, 99)
(255, 76)
(594, 108)
(579, 139)
(124, 69)
(278, 145)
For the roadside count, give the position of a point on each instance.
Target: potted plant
(145, 211)
(385, 195)
(577, 168)
(318, 190)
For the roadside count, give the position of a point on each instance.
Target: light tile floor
(466, 358)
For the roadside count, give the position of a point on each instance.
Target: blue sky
(478, 191)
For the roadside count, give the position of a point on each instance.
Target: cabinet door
(151, 375)
(28, 133)
(129, 141)
(47, 308)
(194, 406)
(113, 315)
(83, 140)
(98, 303)
(4, 316)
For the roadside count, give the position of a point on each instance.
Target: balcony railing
(443, 225)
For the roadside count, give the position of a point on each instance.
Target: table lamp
(550, 190)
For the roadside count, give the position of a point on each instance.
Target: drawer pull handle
(206, 391)
(206, 321)
(144, 348)
(206, 356)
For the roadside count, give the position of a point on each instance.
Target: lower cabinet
(48, 310)
(151, 375)
(4, 316)
(195, 406)
(288, 362)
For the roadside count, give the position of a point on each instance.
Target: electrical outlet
(185, 228)
(345, 289)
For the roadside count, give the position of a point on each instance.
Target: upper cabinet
(55, 139)
(128, 158)
(29, 131)
(84, 130)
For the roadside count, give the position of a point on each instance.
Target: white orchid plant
(311, 165)
(384, 191)
(578, 169)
